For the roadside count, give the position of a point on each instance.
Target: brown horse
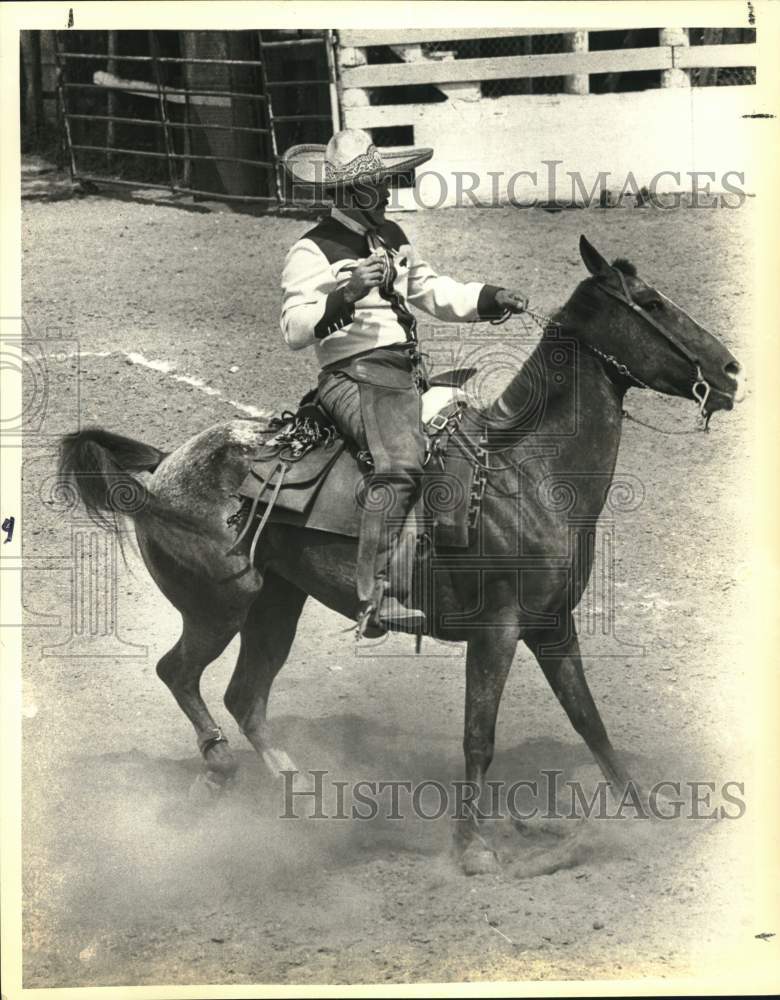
(552, 439)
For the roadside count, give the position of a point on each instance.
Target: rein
(700, 384)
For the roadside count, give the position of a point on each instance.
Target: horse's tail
(105, 471)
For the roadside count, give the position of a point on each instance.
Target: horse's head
(648, 339)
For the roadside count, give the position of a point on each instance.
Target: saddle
(307, 474)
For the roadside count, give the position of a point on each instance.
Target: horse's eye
(653, 306)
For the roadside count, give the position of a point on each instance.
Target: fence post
(333, 79)
(32, 118)
(351, 97)
(154, 51)
(111, 66)
(674, 37)
(577, 83)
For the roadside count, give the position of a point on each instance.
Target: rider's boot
(380, 590)
(391, 613)
(387, 612)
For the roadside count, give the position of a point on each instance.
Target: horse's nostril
(737, 373)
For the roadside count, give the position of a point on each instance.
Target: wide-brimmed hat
(349, 157)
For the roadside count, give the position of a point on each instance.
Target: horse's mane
(621, 264)
(581, 307)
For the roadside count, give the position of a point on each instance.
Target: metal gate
(206, 114)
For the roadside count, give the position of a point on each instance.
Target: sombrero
(349, 157)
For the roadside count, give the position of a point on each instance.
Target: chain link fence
(714, 76)
(522, 45)
(549, 43)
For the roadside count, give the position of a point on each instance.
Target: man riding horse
(347, 286)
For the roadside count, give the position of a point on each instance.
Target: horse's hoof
(278, 761)
(560, 829)
(565, 854)
(478, 860)
(220, 762)
(208, 786)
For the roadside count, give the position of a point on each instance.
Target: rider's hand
(367, 274)
(515, 302)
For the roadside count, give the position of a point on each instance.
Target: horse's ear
(593, 260)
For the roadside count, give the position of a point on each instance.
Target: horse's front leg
(489, 657)
(557, 651)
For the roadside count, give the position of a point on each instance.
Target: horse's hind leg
(266, 638)
(181, 669)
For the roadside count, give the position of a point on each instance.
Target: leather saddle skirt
(323, 488)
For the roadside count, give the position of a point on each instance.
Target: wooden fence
(673, 57)
(501, 106)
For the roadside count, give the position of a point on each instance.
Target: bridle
(700, 388)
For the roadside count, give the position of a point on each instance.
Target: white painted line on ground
(139, 359)
(169, 369)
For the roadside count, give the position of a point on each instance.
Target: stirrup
(392, 613)
(367, 625)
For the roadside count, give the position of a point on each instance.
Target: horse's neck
(579, 411)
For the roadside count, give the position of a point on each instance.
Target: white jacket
(319, 265)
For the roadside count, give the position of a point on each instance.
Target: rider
(347, 285)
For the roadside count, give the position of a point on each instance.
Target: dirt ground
(156, 322)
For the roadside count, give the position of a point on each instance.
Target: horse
(550, 444)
